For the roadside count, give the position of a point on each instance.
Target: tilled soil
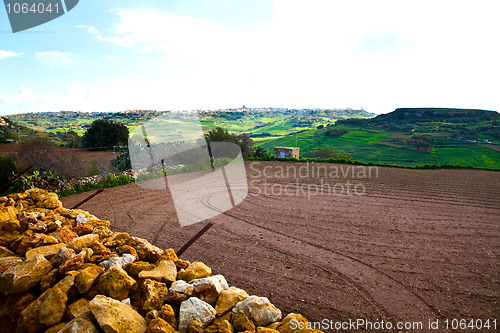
(406, 246)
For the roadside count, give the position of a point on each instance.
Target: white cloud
(90, 29)
(112, 58)
(23, 96)
(9, 54)
(55, 59)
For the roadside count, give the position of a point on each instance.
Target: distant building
(286, 152)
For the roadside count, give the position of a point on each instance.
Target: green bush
(8, 168)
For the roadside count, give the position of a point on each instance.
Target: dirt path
(417, 245)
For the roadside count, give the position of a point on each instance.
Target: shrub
(8, 168)
(335, 132)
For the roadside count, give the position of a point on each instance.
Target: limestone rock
(286, 327)
(83, 229)
(82, 242)
(166, 271)
(118, 261)
(133, 269)
(80, 218)
(5, 252)
(29, 243)
(48, 251)
(115, 317)
(274, 325)
(182, 286)
(8, 219)
(145, 250)
(223, 326)
(196, 270)
(167, 313)
(152, 295)
(64, 235)
(118, 239)
(49, 279)
(6, 262)
(86, 278)
(53, 306)
(48, 308)
(153, 314)
(159, 325)
(76, 309)
(116, 283)
(100, 249)
(261, 329)
(39, 226)
(127, 249)
(62, 255)
(24, 276)
(7, 238)
(258, 309)
(242, 323)
(195, 326)
(102, 231)
(175, 298)
(72, 264)
(56, 329)
(11, 309)
(195, 308)
(208, 289)
(169, 254)
(228, 299)
(80, 324)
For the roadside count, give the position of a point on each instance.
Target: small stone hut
(286, 152)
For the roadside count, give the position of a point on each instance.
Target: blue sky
(113, 55)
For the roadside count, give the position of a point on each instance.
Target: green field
(365, 145)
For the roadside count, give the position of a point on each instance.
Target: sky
(116, 55)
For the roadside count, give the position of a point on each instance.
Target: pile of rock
(64, 270)
(55, 183)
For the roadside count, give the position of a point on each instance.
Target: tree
(221, 135)
(422, 142)
(261, 152)
(104, 134)
(43, 155)
(325, 152)
(7, 169)
(122, 162)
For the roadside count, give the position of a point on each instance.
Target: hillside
(261, 124)
(409, 137)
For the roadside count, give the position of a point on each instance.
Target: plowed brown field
(412, 246)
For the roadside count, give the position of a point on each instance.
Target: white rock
(80, 218)
(259, 309)
(195, 308)
(182, 287)
(209, 288)
(117, 261)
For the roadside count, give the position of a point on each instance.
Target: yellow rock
(166, 271)
(241, 322)
(116, 283)
(228, 298)
(196, 270)
(261, 329)
(159, 325)
(8, 219)
(286, 324)
(47, 251)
